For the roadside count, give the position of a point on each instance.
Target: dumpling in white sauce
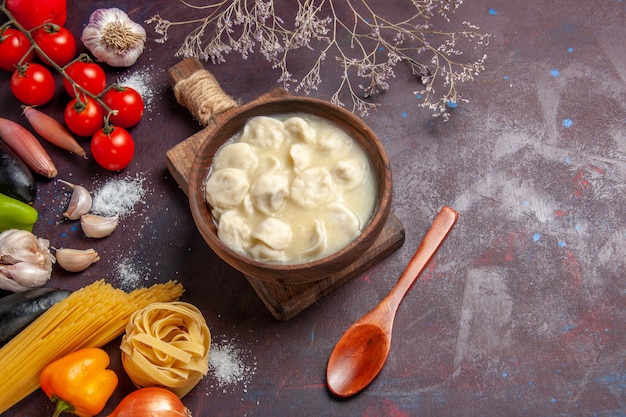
(234, 230)
(290, 189)
(264, 253)
(226, 188)
(301, 155)
(341, 221)
(348, 174)
(269, 164)
(334, 142)
(217, 212)
(299, 129)
(317, 240)
(238, 155)
(313, 187)
(263, 132)
(273, 232)
(247, 207)
(269, 193)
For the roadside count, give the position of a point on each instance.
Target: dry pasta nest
(166, 345)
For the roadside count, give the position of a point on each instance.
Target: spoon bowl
(362, 351)
(366, 340)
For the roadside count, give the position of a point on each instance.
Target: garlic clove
(26, 274)
(112, 37)
(96, 226)
(80, 202)
(76, 260)
(9, 284)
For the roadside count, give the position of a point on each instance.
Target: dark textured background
(522, 312)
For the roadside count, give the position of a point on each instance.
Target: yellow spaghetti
(89, 317)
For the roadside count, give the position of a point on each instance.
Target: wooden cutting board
(284, 301)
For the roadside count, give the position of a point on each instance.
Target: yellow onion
(151, 401)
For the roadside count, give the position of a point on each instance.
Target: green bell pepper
(15, 214)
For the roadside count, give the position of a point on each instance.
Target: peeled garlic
(97, 226)
(112, 37)
(76, 260)
(80, 202)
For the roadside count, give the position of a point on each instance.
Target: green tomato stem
(62, 406)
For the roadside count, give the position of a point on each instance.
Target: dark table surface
(523, 309)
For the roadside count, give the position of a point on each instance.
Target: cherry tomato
(113, 148)
(32, 13)
(57, 42)
(33, 84)
(13, 47)
(84, 117)
(88, 75)
(129, 104)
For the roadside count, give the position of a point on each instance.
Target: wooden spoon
(363, 349)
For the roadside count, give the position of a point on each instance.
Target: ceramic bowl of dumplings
(231, 123)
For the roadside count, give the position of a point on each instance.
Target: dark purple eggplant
(16, 179)
(20, 309)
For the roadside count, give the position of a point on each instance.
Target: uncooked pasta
(167, 345)
(89, 317)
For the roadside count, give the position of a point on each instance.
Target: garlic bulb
(76, 260)
(25, 260)
(23, 246)
(112, 37)
(96, 226)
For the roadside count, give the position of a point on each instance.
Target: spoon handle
(432, 240)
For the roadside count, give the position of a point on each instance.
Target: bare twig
(375, 46)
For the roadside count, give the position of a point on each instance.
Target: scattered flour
(128, 274)
(118, 196)
(227, 364)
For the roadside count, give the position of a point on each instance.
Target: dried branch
(374, 48)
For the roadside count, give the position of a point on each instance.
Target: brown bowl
(234, 122)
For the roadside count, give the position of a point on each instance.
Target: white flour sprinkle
(140, 81)
(118, 196)
(226, 362)
(128, 274)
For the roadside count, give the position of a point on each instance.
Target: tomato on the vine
(13, 47)
(31, 14)
(113, 147)
(33, 84)
(128, 103)
(56, 42)
(88, 75)
(84, 116)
